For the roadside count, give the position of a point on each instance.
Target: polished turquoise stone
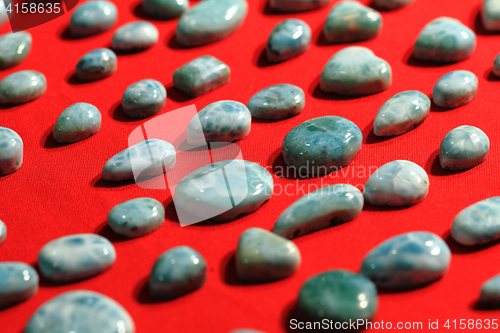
(135, 36)
(496, 66)
(490, 291)
(3, 232)
(491, 14)
(263, 256)
(18, 282)
(356, 71)
(11, 151)
(96, 65)
(165, 9)
(407, 260)
(93, 17)
(350, 21)
(14, 48)
(391, 4)
(401, 113)
(77, 122)
(288, 39)
(136, 217)
(22, 87)
(144, 99)
(297, 5)
(277, 102)
(445, 40)
(455, 89)
(463, 147)
(210, 21)
(339, 296)
(321, 145)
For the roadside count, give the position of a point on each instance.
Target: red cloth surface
(58, 190)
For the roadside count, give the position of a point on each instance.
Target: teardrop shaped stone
(288, 39)
(177, 272)
(144, 99)
(401, 113)
(491, 14)
(351, 21)
(490, 291)
(408, 260)
(455, 89)
(291, 6)
(135, 36)
(136, 217)
(391, 4)
(397, 183)
(145, 159)
(77, 122)
(320, 209)
(277, 102)
(96, 65)
(463, 147)
(93, 17)
(263, 256)
(496, 66)
(22, 87)
(14, 48)
(80, 311)
(210, 21)
(3, 232)
(445, 39)
(18, 282)
(165, 9)
(356, 71)
(11, 151)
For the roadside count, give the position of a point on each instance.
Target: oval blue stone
(288, 39)
(455, 89)
(135, 36)
(11, 151)
(165, 9)
(18, 282)
(463, 147)
(77, 122)
(144, 99)
(277, 102)
(93, 17)
(22, 87)
(14, 48)
(96, 65)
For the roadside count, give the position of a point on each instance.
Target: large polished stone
(93, 17)
(463, 147)
(491, 14)
(490, 291)
(14, 48)
(391, 4)
(135, 36)
(22, 87)
(165, 9)
(136, 217)
(96, 65)
(76, 123)
(3, 232)
(292, 6)
(144, 99)
(18, 282)
(496, 66)
(455, 89)
(11, 151)
(277, 102)
(288, 39)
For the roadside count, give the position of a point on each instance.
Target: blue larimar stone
(144, 99)
(11, 151)
(22, 87)
(496, 66)
(291, 6)
(356, 71)
(80, 311)
(135, 36)
(145, 159)
(93, 17)
(3, 232)
(96, 65)
(407, 260)
(204, 192)
(401, 113)
(277, 102)
(391, 4)
(263, 256)
(397, 183)
(136, 217)
(455, 89)
(445, 40)
(77, 122)
(18, 282)
(223, 121)
(350, 21)
(210, 21)
(14, 48)
(165, 9)
(288, 39)
(75, 257)
(339, 296)
(490, 291)
(491, 14)
(321, 145)
(177, 272)
(463, 147)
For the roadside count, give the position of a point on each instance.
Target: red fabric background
(58, 190)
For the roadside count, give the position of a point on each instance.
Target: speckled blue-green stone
(463, 147)
(3, 232)
(93, 17)
(96, 65)
(292, 6)
(490, 291)
(135, 36)
(144, 99)
(77, 122)
(277, 102)
(491, 14)
(11, 151)
(14, 48)
(136, 217)
(455, 89)
(165, 9)
(288, 39)
(496, 66)
(18, 282)
(22, 87)
(391, 4)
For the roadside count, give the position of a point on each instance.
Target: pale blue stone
(263, 256)
(490, 291)
(210, 21)
(356, 71)
(177, 272)
(18, 282)
(22, 87)
(463, 147)
(136, 217)
(76, 123)
(75, 257)
(96, 65)
(397, 183)
(165, 9)
(297, 5)
(496, 66)
(135, 36)
(277, 102)
(391, 4)
(3, 232)
(321, 145)
(93, 17)
(445, 40)
(288, 39)
(14, 48)
(401, 113)
(11, 151)
(320, 209)
(455, 89)
(81, 311)
(491, 14)
(144, 99)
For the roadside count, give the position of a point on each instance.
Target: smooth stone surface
(18, 282)
(445, 39)
(401, 113)
(135, 36)
(96, 65)
(201, 75)
(490, 291)
(177, 272)
(22, 87)
(491, 14)
(455, 89)
(356, 71)
(277, 102)
(3, 232)
(288, 39)
(136, 217)
(144, 99)
(351, 21)
(76, 123)
(165, 9)
(93, 17)
(408, 260)
(145, 159)
(263, 256)
(339, 296)
(292, 6)
(391, 4)
(11, 151)
(463, 147)
(75, 257)
(496, 66)
(223, 121)
(321, 145)
(209, 21)
(204, 192)
(81, 311)
(14, 48)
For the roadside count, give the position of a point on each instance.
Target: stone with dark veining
(491, 14)
(144, 99)
(96, 65)
(490, 292)
(496, 66)
(14, 48)
(391, 4)
(455, 89)
(277, 102)
(165, 9)
(76, 123)
(93, 17)
(135, 36)
(3, 232)
(11, 151)
(463, 147)
(293, 6)
(288, 39)
(22, 87)
(18, 282)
